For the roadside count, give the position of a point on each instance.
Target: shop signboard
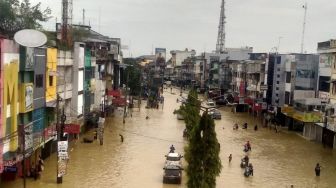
(10, 169)
(62, 146)
(28, 137)
(63, 155)
(26, 97)
(72, 128)
(50, 132)
(62, 165)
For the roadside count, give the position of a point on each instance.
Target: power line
(150, 137)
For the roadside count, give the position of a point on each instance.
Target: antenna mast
(304, 26)
(66, 21)
(83, 16)
(220, 47)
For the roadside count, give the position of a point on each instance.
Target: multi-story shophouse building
(327, 92)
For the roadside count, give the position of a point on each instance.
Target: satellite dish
(30, 38)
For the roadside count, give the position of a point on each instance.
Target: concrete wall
(51, 75)
(39, 71)
(77, 76)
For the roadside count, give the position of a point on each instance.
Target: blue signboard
(10, 169)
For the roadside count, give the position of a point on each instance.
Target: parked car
(215, 114)
(172, 174)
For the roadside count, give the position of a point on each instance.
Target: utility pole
(60, 128)
(22, 132)
(278, 48)
(125, 107)
(304, 26)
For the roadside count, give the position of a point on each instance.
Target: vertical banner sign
(62, 157)
(160, 56)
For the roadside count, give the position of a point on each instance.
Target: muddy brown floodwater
(279, 159)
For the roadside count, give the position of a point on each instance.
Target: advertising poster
(29, 142)
(29, 97)
(160, 55)
(29, 58)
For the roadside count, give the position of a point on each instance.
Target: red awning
(119, 101)
(114, 93)
(257, 107)
(248, 101)
(72, 128)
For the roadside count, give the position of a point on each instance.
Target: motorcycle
(243, 163)
(247, 171)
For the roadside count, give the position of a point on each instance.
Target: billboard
(26, 97)
(160, 56)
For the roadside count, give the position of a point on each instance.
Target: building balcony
(65, 91)
(64, 61)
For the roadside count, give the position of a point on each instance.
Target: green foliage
(202, 151)
(202, 155)
(134, 76)
(79, 34)
(16, 15)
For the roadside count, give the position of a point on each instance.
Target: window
(39, 80)
(51, 80)
(288, 77)
(278, 69)
(277, 95)
(278, 82)
(277, 88)
(278, 75)
(334, 88)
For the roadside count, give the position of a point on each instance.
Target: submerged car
(215, 114)
(172, 174)
(211, 104)
(180, 117)
(173, 159)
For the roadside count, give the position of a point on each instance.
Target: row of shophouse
(85, 79)
(297, 90)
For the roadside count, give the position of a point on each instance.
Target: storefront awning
(114, 93)
(119, 102)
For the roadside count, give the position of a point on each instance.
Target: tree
(190, 110)
(16, 15)
(202, 154)
(134, 76)
(202, 151)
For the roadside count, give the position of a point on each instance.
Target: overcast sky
(180, 24)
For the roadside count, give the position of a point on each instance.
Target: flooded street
(279, 159)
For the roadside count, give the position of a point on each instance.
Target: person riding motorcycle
(172, 149)
(246, 159)
(251, 169)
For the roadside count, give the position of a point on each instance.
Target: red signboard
(1, 162)
(49, 131)
(114, 93)
(72, 128)
(119, 101)
(242, 88)
(257, 107)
